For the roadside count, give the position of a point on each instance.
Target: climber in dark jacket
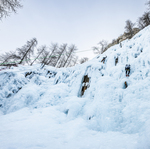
(127, 69)
(103, 60)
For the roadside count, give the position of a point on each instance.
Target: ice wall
(106, 105)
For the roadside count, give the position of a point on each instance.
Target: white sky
(80, 22)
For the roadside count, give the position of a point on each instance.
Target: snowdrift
(45, 108)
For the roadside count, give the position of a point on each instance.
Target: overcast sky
(80, 22)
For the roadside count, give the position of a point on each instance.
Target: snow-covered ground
(43, 109)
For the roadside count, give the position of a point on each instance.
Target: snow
(43, 109)
(48, 128)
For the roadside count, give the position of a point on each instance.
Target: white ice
(45, 110)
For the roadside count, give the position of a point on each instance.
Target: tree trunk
(36, 58)
(26, 54)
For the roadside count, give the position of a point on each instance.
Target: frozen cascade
(44, 108)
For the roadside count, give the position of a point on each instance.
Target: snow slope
(43, 109)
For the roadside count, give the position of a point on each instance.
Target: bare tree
(8, 6)
(83, 60)
(27, 50)
(129, 28)
(72, 61)
(44, 57)
(68, 58)
(61, 61)
(61, 50)
(140, 23)
(9, 58)
(144, 20)
(148, 4)
(69, 62)
(53, 61)
(96, 50)
(103, 46)
(52, 56)
(70, 52)
(113, 41)
(40, 51)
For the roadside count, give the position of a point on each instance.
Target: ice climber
(116, 61)
(103, 60)
(127, 69)
(120, 45)
(125, 84)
